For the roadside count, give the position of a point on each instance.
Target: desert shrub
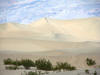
(64, 66)
(17, 63)
(11, 67)
(90, 62)
(12, 62)
(43, 64)
(27, 63)
(8, 61)
(87, 71)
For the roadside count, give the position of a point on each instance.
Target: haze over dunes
(51, 34)
(67, 30)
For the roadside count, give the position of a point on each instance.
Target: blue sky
(26, 11)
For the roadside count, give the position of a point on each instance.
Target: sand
(69, 41)
(78, 30)
(77, 60)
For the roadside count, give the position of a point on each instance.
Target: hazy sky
(26, 11)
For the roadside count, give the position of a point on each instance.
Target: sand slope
(50, 34)
(69, 41)
(51, 29)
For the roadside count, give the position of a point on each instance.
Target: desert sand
(69, 41)
(75, 59)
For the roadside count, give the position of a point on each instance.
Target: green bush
(8, 61)
(12, 62)
(90, 62)
(43, 64)
(27, 63)
(17, 63)
(64, 66)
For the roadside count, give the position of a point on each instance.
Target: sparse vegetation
(17, 63)
(90, 62)
(43, 64)
(64, 66)
(27, 63)
(8, 61)
(12, 62)
(40, 64)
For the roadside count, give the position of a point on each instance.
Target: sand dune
(51, 29)
(70, 30)
(71, 41)
(22, 44)
(50, 34)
